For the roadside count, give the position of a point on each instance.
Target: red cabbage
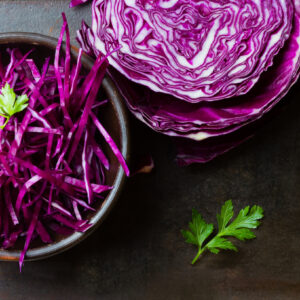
(205, 69)
(74, 3)
(46, 151)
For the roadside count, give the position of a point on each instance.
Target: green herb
(238, 228)
(9, 105)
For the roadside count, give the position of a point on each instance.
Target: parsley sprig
(9, 105)
(238, 228)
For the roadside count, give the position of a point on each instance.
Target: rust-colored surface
(8, 258)
(138, 252)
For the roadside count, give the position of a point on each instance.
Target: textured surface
(138, 252)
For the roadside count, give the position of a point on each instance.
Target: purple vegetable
(202, 69)
(77, 2)
(46, 151)
(194, 50)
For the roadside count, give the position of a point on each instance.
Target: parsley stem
(200, 251)
(6, 121)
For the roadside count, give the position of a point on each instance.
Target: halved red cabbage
(226, 63)
(194, 50)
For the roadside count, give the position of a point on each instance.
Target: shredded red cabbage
(46, 152)
(74, 3)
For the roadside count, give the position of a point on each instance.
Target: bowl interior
(113, 117)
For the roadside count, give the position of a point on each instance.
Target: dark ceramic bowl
(114, 119)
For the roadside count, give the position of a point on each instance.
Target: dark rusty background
(138, 253)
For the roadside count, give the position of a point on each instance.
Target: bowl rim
(48, 250)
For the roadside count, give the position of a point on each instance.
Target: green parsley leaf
(200, 231)
(218, 243)
(226, 215)
(238, 228)
(9, 105)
